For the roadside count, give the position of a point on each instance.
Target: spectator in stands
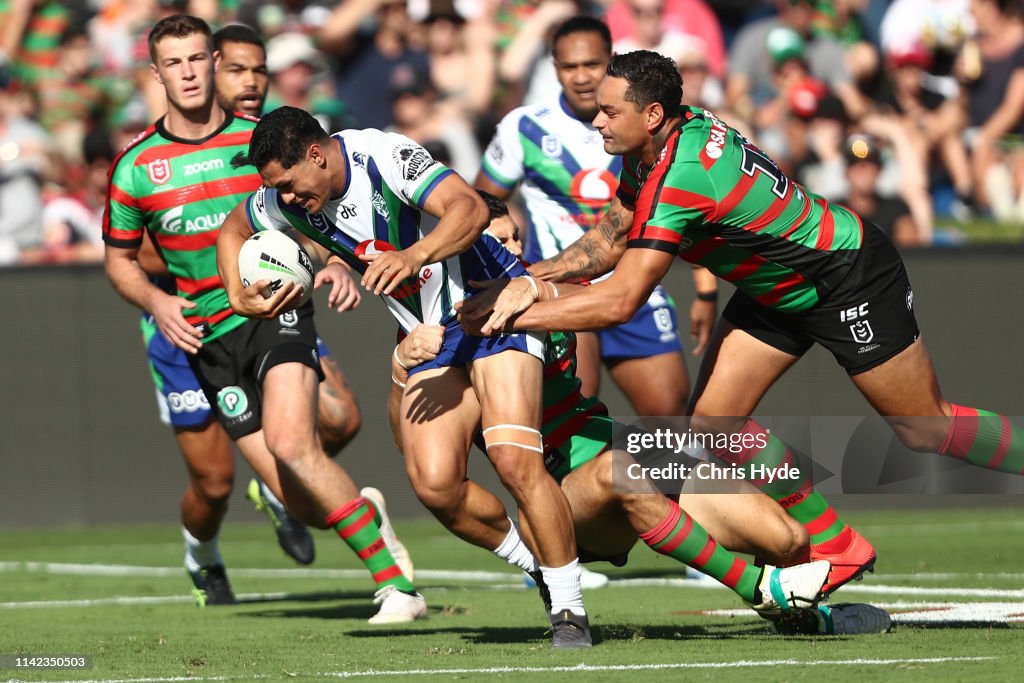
(462, 68)
(662, 25)
(995, 104)
(23, 161)
(418, 115)
(298, 78)
(750, 81)
(371, 57)
(931, 121)
(73, 210)
(700, 87)
(890, 213)
(74, 96)
(285, 16)
(30, 32)
(525, 67)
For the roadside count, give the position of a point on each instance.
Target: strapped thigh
(514, 435)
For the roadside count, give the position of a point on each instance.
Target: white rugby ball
(273, 255)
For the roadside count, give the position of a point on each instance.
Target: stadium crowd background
(909, 111)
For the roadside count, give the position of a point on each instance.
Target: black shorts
(865, 321)
(232, 367)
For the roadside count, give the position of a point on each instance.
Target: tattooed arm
(593, 254)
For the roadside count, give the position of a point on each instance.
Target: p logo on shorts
(232, 401)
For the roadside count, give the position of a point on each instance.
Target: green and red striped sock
(985, 439)
(354, 522)
(829, 533)
(682, 538)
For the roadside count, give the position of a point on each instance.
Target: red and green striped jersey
(40, 43)
(576, 429)
(715, 199)
(181, 191)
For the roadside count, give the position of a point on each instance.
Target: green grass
(317, 630)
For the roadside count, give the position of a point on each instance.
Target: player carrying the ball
(362, 195)
(263, 374)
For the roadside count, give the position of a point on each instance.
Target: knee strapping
(514, 435)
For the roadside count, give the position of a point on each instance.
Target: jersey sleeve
(263, 210)
(672, 200)
(408, 168)
(503, 158)
(123, 221)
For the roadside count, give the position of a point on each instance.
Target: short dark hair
(650, 78)
(582, 23)
(178, 26)
(237, 33)
(495, 206)
(283, 136)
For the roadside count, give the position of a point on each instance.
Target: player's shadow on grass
(430, 399)
(600, 632)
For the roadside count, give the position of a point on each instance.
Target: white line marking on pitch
(579, 668)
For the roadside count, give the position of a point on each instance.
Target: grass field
(120, 596)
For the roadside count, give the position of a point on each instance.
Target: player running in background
(806, 271)
(177, 181)
(567, 182)
(361, 194)
(241, 83)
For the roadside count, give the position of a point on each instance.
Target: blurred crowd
(908, 111)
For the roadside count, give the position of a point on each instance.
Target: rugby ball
(273, 255)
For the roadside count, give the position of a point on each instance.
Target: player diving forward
(359, 194)
(609, 519)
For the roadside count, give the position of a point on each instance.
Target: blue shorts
(179, 398)
(459, 348)
(652, 331)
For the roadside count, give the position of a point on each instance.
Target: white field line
(426, 574)
(579, 668)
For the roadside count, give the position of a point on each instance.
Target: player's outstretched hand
(419, 346)
(167, 312)
(254, 302)
(387, 270)
(702, 322)
(344, 295)
(497, 304)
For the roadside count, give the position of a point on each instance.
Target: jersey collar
(228, 118)
(564, 104)
(348, 166)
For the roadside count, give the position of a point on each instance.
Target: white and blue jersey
(567, 182)
(388, 180)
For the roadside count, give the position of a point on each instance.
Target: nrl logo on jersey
(159, 171)
(551, 146)
(380, 206)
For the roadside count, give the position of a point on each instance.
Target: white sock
(271, 498)
(200, 553)
(564, 586)
(515, 552)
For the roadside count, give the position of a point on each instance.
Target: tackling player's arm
(595, 253)
(463, 218)
(248, 301)
(604, 304)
